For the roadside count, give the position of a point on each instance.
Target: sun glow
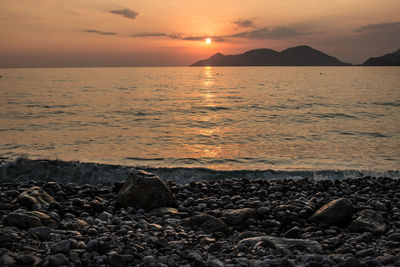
(208, 40)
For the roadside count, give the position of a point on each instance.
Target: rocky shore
(228, 222)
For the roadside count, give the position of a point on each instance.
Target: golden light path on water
(214, 117)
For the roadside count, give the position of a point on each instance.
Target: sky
(108, 33)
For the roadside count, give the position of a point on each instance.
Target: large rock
(34, 198)
(207, 223)
(22, 220)
(238, 217)
(145, 190)
(369, 221)
(27, 260)
(336, 212)
(282, 243)
(26, 219)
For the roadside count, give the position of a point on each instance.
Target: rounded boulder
(146, 191)
(336, 212)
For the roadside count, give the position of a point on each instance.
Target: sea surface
(222, 118)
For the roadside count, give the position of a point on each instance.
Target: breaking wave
(23, 169)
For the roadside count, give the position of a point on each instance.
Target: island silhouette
(391, 59)
(295, 56)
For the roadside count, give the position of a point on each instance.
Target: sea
(280, 119)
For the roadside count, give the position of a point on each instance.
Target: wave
(23, 170)
(393, 104)
(333, 115)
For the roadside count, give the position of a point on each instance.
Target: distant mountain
(294, 56)
(392, 59)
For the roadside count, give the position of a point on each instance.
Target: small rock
(57, 260)
(206, 222)
(366, 252)
(215, 263)
(42, 216)
(388, 259)
(92, 232)
(91, 245)
(154, 227)
(43, 232)
(370, 262)
(117, 260)
(368, 221)
(77, 202)
(168, 211)
(293, 232)
(285, 243)
(34, 198)
(161, 243)
(73, 224)
(61, 247)
(380, 206)
(194, 256)
(394, 237)
(7, 259)
(27, 260)
(104, 216)
(148, 260)
(238, 217)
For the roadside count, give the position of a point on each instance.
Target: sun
(208, 40)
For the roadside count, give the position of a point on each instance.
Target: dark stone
(284, 243)
(145, 190)
(366, 252)
(161, 243)
(22, 220)
(7, 259)
(43, 232)
(42, 216)
(117, 260)
(27, 260)
(5, 238)
(168, 211)
(371, 262)
(293, 232)
(73, 224)
(91, 244)
(265, 243)
(388, 259)
(61, 247)
(77, 202)
(336, 212)
(238, 217)
(368, 221)
(207, 223)
(394, 237)
(34, 198)
(58, 259)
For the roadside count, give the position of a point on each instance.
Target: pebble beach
(224, 222)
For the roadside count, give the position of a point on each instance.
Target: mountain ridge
(390, 59)
(294, 56)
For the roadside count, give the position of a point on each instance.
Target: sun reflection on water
(210, 147)
(208, 79)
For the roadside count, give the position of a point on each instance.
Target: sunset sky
(56, 33)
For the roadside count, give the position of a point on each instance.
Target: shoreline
(230, 222)
(24, 169)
